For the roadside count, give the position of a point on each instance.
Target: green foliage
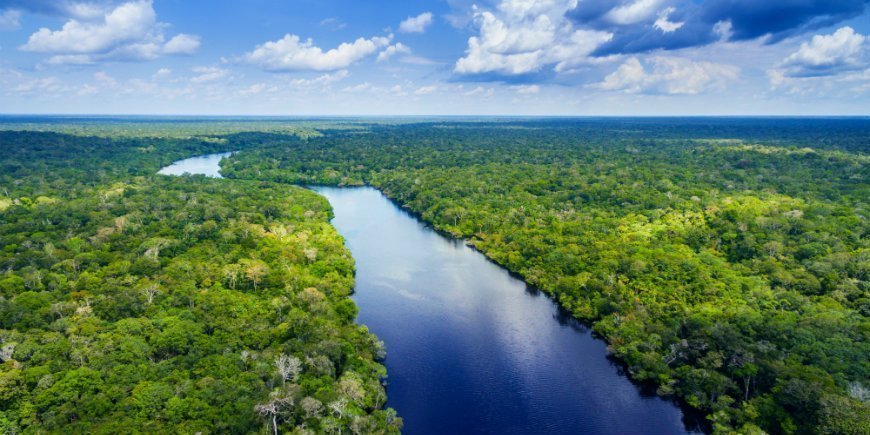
(162, 304)
(731, 272)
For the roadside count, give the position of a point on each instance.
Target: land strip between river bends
(139, 302)
(733, 276)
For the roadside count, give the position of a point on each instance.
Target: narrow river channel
(471, 349)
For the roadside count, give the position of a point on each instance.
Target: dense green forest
(725, 261)
(132, 302)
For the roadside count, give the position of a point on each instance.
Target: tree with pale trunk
(231, 274)
(339, 407)
(274, 408)
(255, 270)
(150, 291)
(288, 366)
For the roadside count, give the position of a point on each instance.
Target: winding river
(471, 349)
(208, 165)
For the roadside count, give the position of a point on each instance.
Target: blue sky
(449, 57)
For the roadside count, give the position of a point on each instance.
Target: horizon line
(361, 116)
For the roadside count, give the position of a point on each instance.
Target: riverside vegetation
(733, 273)
(724, 260)
(132, 302)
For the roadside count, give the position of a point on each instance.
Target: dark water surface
(471, 349)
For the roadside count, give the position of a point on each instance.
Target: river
(208, 165)
(470, 348)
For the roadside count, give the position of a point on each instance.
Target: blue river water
(208, 165)
(470, 348)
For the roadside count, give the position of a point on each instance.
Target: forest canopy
(133, 302)
(725, 261)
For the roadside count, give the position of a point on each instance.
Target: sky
(436, 57)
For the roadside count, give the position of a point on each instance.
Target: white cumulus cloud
(129, 31)
(634, 12)
(828, 54)
(128, 23)
(523, 37)
(182, 44)
(290, 53)
(629, 77)
(664, 23)
(393, 50)
(416, 24)
(668, 75)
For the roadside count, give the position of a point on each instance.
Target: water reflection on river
(470, 348)
(208, 165)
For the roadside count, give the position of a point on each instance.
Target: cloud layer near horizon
(501, 52)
